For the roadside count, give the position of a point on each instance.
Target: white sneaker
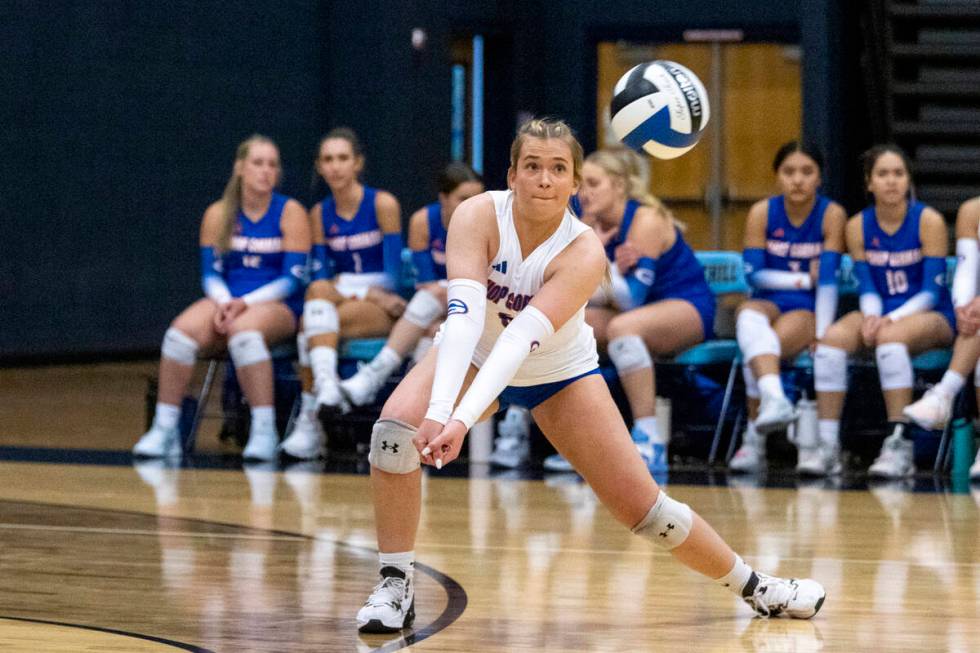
(932, 411)
(329, 398)
(895, 459)
(159, 442)
(975, 469)
(363, 387)
(785, 597)
(751, 456)
(306, 441)
(512, 448)
(820, 460)
(557, 463)
(391, 605)
(775, 414)
(263, 443)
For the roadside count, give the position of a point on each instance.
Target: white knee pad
(180, 347)
(392, 450)
(423, 309)
(319, 317)
(629, 354)
(303, 349)
(755, 335)
(247, 348)
(751, 384)
(829, 369)
(667, 524)
(894, 366)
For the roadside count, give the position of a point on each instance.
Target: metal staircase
(923, 66)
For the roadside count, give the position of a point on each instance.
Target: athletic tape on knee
(392, 450)
(829, 369)
(755, 335)
(423, 309)
(667, 524)
(303, 349)
(751, 385)
(894, 366)
(180, 347)
(247, 348)
(629, 354)
(319, 317)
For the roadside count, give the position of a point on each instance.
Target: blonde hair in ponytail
(231, 199)
(626, 165)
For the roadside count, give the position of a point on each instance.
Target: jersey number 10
(898, 282)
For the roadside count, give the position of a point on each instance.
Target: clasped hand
(439, 445)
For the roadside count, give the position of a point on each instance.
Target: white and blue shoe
(557, 463)
(654, 454)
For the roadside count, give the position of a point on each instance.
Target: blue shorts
(705, 306)
(788, 300)
(530, 396)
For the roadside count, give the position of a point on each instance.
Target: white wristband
(965, 279)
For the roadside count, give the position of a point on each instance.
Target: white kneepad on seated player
(667, 524)
(179, 347)
(319, 317)
(247, 348)
(755, 335)
(629, 354)
(423, 309)
(894, 366)
(829, 369)
(392, 449)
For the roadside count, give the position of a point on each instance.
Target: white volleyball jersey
(512, 282)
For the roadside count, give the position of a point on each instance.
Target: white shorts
(356, 285)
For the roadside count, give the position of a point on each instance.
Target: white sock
(167, 416)
(404, 561)
(386, 362)
(736, 579)
(323, 360)
(771, 386)
(829, 430)
(649, 426)
(951, 383)
(263, 415)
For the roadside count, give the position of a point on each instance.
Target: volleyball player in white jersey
(521, 268)
(935, 407)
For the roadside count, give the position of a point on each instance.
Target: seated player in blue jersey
(793, 245)
(357, 247)
(899, 247)
(658, 302)
(254, 249)
(935, 407)
(427, 240)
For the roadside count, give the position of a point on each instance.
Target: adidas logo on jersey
(500, 267)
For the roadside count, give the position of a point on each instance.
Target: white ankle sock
(771, 386)
(649, 426)
(263, 415)
(736, 579)
(404, 561)
(951, 383)
(167, 415)
(829, 430)
(385, 362)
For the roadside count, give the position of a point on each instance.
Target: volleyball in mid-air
(659, 107)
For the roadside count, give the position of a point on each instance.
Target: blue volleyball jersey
(792, 249)
(437, 239)
(354, 245)
(678, 274)
(895, 260)
(254, 257)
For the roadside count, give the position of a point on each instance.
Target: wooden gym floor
(98, 554)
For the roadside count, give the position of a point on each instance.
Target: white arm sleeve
(781, 280)
(466, 305)
(527, 331)
(826, 308)
(620, 289)
(870, 303)
(273, 291)
(917, 303)
(965, 279)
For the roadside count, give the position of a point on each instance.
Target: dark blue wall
(119, 121)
